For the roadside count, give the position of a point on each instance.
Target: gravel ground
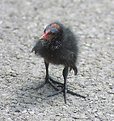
(21, 21)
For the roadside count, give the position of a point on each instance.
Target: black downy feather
(61, 50)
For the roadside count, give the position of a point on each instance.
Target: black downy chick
(58, 45)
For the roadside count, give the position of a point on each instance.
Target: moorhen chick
(58, 45)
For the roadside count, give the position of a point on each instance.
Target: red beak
(44, 36)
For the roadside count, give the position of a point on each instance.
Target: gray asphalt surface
(21, 21)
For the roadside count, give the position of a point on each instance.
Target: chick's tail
(74, 69)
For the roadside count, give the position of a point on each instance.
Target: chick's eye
(54, 30)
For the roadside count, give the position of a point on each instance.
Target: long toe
(76, 94)
(56, 82)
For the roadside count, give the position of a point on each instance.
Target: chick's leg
(65, 73)
(47, 72)
(47, 78)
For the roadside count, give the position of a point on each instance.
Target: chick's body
(60, 50)
(58, 45)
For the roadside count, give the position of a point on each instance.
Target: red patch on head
(44, 36)
(54, 25)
